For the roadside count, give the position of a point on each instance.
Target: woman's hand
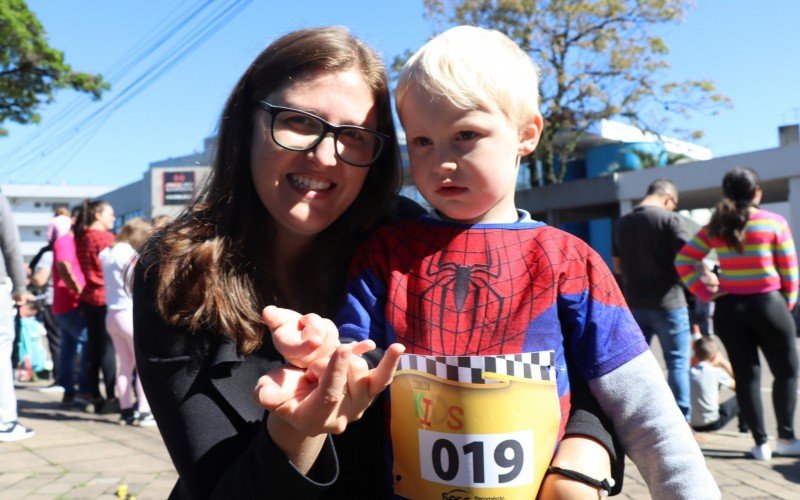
(301, 340)
(331, 393)
(710, 280)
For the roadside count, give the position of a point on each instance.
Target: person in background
(92, 235)
(12, 291)
(68, 282)
(42, 283)
(711, 372)
(118, 261)
(758, 284)
(160, 221)
(644, 246)
(61, 216)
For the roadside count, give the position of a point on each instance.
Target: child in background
(60, 220)
(31, 353)
(711, 372)
(117, 262)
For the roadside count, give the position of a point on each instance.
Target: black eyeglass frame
(327, 128)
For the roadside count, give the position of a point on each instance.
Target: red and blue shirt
(443, 288)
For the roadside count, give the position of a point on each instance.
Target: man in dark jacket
(646, 241)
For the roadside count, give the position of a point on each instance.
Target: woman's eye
(352, 136)
(465, 135)
(298, 121)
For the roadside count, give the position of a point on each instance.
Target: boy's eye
(465, 135)
(422, 141)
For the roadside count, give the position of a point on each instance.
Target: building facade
(34, 204)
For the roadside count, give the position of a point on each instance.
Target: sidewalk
(78, 455)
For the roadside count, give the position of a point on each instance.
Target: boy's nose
(446, 160)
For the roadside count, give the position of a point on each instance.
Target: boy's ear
(529, 135)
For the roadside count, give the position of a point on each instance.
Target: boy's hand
(301, 340)
(331, 393)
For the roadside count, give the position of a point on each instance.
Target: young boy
(711, 372)
(477, 276)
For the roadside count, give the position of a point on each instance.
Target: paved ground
(76, 455)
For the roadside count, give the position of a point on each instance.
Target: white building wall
(33, 206)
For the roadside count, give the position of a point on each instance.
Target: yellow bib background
(473, 426)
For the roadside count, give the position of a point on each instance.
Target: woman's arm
(786, 264)
(689, 264)
(64, 270)
(200, 391)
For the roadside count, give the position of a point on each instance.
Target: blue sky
(750, 50)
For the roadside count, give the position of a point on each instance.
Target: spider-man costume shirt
(443, 288)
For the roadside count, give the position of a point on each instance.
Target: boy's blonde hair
(475, 68)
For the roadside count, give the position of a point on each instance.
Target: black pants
(101, 350)
(746, 323)
(727, 411)
(47, 319)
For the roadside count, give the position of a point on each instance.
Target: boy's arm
(361, 315)
(605, 346)
(589, 446)
(653, 431)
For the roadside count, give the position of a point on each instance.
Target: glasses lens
(293, 130)
(358, 146)
(299, 131)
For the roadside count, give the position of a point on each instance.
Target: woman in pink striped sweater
(758, 283)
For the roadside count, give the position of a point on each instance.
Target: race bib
(473, 426)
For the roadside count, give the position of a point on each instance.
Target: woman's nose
(325, 152)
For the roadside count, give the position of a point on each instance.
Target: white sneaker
(14, 431)
(762, 452)
(52, 388)
(791, 448)
(145, 420)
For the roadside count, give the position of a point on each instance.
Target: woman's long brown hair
(215, 261)
(730, 217)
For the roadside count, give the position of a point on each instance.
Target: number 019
(487, 460)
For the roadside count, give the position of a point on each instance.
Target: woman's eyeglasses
(297, 130)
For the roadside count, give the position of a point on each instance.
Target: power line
(197, 39)
(63, 121)
(68, 132)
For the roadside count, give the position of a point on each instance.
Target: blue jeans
(674, 334)
(74, 341)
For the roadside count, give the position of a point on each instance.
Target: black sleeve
(587, 419)
(216, 452)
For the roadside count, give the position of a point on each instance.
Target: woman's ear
(529, 135)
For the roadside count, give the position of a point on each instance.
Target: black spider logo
(456, 285)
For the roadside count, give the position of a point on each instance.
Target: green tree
(598, 58)
(31, 70)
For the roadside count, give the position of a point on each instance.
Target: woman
(277, 224)
(117, 262)
(758, 284)
(68, 283)
(92, 235)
